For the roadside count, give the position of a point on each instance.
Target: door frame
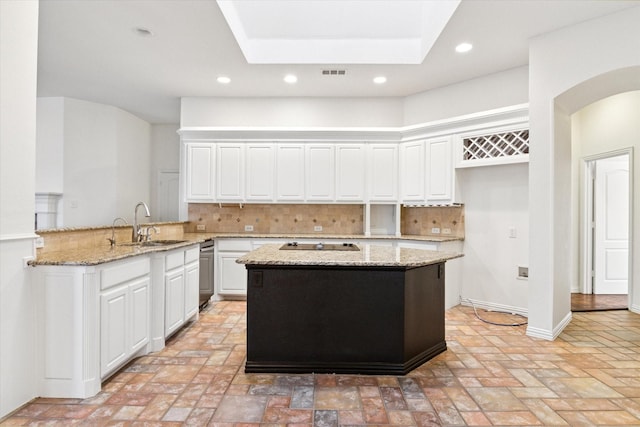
(587, 219)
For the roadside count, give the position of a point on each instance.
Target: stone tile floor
(490, 375)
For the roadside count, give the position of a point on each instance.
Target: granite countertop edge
(368, 256)
(104, 254)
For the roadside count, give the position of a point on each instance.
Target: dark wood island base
(344, 319)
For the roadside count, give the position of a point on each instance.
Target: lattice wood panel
(497, 145)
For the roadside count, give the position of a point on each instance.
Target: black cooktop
(319, 246)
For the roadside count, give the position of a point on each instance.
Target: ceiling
(91, 50)
(336, 31)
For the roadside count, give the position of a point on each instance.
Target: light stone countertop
(368, 255)
(101, 254)
(104, 253)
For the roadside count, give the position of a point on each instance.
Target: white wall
(294, 112)
(18, 79)
(165, 156)
(604, 126)
(558, 62)
(103, 161)
(49, 145)
(481, 94)
(495, 200)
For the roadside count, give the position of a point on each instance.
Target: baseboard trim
(547, 334)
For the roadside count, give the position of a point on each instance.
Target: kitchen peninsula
(374, 310)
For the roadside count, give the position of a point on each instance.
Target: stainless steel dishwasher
(206, 272)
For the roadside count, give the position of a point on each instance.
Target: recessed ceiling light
(143, 32)
(380, 80)
(464, 47)
(290, 78)
(223, 80)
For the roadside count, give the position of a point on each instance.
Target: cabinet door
(290, 172)
(230, 171)
(260, 163)
(439, 170)
(191, 289)
(140, 314)
(232, 276)
(200, 171)
(382, 171)
(319, 172)
(114, 319)
(174, 301)
(412, 171)
(350, 172)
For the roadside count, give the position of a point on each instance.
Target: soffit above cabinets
(336, 31)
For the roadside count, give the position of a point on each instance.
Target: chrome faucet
(136, 235)
(112, 240)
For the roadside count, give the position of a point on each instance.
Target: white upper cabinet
(350, 172)
(320, 172)
(412, 171)
(201, 161)
(290, 172)
(382, 172)
(260, 165)
(439, 170)
(230, 171)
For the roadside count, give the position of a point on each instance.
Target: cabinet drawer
(123, 272)
(191, 255)
(174, 260)
(234, 245)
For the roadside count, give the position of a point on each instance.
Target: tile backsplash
(303, 218)
(422, 220)
(277, 218)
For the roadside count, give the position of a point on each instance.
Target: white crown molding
(507, 116)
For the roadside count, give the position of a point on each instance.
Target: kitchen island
(374, 310)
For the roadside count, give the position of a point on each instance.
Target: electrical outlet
(523, 272)
(39, 242)
(317, 228)
(435, 230)
(512, 233)
(248, 228)
(446, 231)
(201, 227)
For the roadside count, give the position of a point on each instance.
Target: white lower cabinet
(174, 301)
(124, 312)
(92, 320)
(231, 277)
(179, 272)
(191, 289)
(124, 323)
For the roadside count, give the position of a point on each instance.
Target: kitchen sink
(153, 243)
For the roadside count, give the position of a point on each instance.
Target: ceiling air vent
(334, 72)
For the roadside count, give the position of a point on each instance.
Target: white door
(168, 195)
(611, 244)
